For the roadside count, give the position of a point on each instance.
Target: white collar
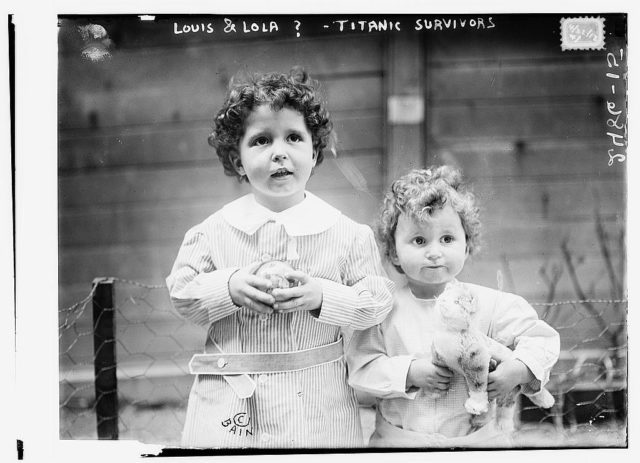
(309, 217)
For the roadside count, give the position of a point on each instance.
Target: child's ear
(237, 165)
(393, 257)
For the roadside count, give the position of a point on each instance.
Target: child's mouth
(281, 173)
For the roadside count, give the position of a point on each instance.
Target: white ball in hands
(275, 271)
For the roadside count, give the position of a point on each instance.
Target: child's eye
(294, 137)
(419, 240)
(260, 141)
(448, 239)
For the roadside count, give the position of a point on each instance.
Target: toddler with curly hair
(429, 226)
(272, 373)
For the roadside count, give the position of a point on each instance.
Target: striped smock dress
(309, 408)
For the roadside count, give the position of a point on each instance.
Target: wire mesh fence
(146, 387)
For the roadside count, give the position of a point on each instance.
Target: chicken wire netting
(153, 345)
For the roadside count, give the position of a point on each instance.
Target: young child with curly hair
(429, 226)
(273, 373)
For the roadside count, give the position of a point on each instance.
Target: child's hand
(307, 295)
(424, 374)
(506, 377)
(250, 291)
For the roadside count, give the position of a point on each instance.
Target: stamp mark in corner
(583, 33)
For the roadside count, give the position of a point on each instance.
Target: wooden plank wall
(524, 120)
(527, 124)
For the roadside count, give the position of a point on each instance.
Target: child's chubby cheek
(275, 271)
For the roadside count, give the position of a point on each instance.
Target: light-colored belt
(264, 362)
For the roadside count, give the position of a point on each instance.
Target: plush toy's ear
(472, 306)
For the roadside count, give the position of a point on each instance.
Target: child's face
(431, 253)
(276, 155)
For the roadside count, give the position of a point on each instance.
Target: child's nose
(279, 152)
(277, 157)
(433, 252)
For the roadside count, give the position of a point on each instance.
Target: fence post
(104, 348)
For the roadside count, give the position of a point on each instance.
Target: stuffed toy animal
(463, 348)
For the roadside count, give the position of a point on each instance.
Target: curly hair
(418, 194)
(294, 90)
